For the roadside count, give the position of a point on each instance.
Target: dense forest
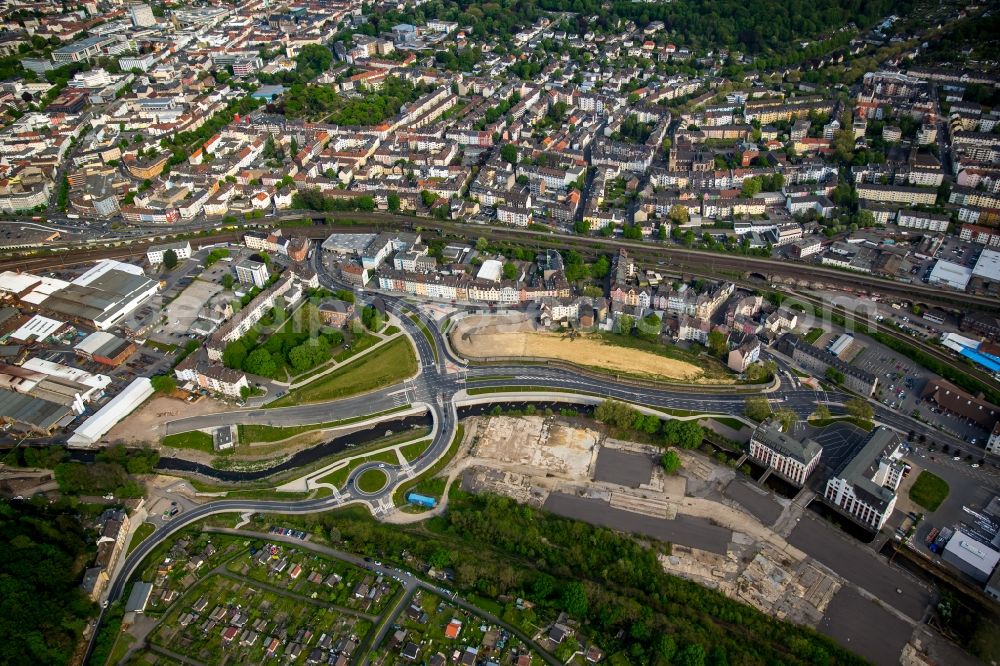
(757, 28)
(43, 609)
(370, 108)
(611, 582)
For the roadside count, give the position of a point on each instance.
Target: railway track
(679, 258)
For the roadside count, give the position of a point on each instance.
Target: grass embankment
(361, 342)
(735, 424)
(387, 365)
(413, 451)
(425, 483)
(194, 439)
(263, 433)
(929, 490)
(140, 535)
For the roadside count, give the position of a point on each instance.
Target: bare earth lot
(486, 336)
(144, 424)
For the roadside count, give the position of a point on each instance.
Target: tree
(509, 153)
(227, 281)
(163, 383)
(717, 343)
(428, 198)
(625, 324)
(394, 202)
(574, 600)
(259, 362)
(371, 318)
(234, 354)
(834, 375)
(170, 260)
(510, 271)
(859, 409)
(313, 60)
(679, 214)
(670, 461)
(787, 418)
(751, 186)
(822, 412)
(756, 407)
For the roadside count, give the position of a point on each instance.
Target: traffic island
(372, 481)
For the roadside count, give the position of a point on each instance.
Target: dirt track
(480, 337)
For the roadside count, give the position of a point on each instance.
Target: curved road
(436, 386)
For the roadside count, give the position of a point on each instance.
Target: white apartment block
(155, 253)
(914, 219)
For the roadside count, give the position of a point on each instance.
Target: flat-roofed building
(105, 348)
(252, 272)
(156, 253)
(970, 556)
(865, 487)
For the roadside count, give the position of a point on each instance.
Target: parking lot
(623, 468)
(896, 375)
(840, 441)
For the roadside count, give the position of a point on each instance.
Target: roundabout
(370, 481)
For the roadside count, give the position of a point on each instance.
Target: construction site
(726, 532)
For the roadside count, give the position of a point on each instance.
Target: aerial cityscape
(538, 332)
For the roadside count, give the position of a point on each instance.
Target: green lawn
(929, 490)
(140, 535)
(813, 335)
(390, 331)
(412, 451)
(387, 365)
(194, 439)
(372, 480)
(263, 433)
(339, 478)
(399, 496)
(361, 342)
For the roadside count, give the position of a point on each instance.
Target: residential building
(744, 356)
(252, 272)
(155, 253)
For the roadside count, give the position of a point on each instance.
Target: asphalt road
(436, 387)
